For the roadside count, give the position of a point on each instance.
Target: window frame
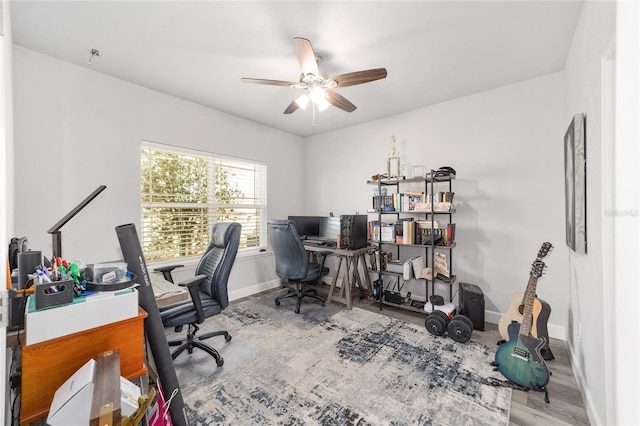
(212, 205)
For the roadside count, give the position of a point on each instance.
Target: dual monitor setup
(344, 231)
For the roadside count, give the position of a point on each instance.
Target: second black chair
(292, 262)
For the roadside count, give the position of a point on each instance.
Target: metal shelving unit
(430, 249)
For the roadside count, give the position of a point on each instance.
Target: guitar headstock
(545, 249)
(537, 268)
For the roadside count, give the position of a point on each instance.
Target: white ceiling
(433, 50)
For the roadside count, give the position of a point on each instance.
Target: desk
(352, 260)
(47, 365)
(167, 293)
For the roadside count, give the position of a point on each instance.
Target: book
(418, 264)
(441, 266)
(407, 271)
(399, 232)
(387, 233)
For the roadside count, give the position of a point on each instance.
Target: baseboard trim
(254, 289)
(555, 331)
(582, 387)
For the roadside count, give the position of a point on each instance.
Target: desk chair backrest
(292, 260)
(218, 259)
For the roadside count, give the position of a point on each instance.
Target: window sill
(193, 261)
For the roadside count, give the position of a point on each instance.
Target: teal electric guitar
(519, 359)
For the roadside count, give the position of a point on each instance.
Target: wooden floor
(565, 405)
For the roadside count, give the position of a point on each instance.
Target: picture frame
(393, 167)
(575, 184)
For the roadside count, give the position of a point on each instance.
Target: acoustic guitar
(519, 359)
(541, 311)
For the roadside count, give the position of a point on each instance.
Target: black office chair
(292, 262)
(208, 291)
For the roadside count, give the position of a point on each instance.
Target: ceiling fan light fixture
(322, 104)
(303, 101)
(318, 94)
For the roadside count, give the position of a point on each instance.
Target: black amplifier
(471, 302)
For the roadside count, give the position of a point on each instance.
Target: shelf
(407, 307)
(397, 274)
(453, 245)
(428, 179)
(429, 183)
(411, 211)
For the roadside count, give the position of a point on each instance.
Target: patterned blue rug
(331, 366)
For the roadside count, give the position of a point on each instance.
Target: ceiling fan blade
(268, 82)
(340, 101)
(293, 106)
(306, 56)
(360, 77)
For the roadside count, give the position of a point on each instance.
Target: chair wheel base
(299, 294)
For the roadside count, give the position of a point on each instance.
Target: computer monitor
(329, 227)
(307, 226)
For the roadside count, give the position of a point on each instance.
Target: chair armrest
(192, 285)
(166, 271)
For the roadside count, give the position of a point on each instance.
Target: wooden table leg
(347, 283)
(367, 278)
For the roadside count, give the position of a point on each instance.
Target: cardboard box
(71, 403)
(84, 313)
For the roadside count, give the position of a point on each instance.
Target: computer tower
(471, 303)
(353, 231)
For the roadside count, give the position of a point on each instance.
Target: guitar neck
(527, 314)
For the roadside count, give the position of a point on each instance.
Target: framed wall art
(575, 184)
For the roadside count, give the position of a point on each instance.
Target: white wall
(588, 334)
(507, 148)
(76, 129)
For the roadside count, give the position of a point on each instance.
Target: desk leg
(334, 281)
(367, 278)
(345, 290)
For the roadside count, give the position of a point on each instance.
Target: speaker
(27, 263)
(471, 302)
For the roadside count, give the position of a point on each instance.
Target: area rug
(332, 366)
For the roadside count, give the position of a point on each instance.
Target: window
(183, 193)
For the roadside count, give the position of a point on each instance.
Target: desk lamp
(56, 235)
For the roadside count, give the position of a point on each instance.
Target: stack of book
(395, 266)
(410, 231)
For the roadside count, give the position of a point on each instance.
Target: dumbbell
(459, 328)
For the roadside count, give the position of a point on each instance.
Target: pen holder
(53, 294)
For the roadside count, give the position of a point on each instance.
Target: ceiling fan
(316, 85)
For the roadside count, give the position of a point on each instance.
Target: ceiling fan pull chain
(313, 113)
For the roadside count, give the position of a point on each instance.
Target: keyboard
(315, 242)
